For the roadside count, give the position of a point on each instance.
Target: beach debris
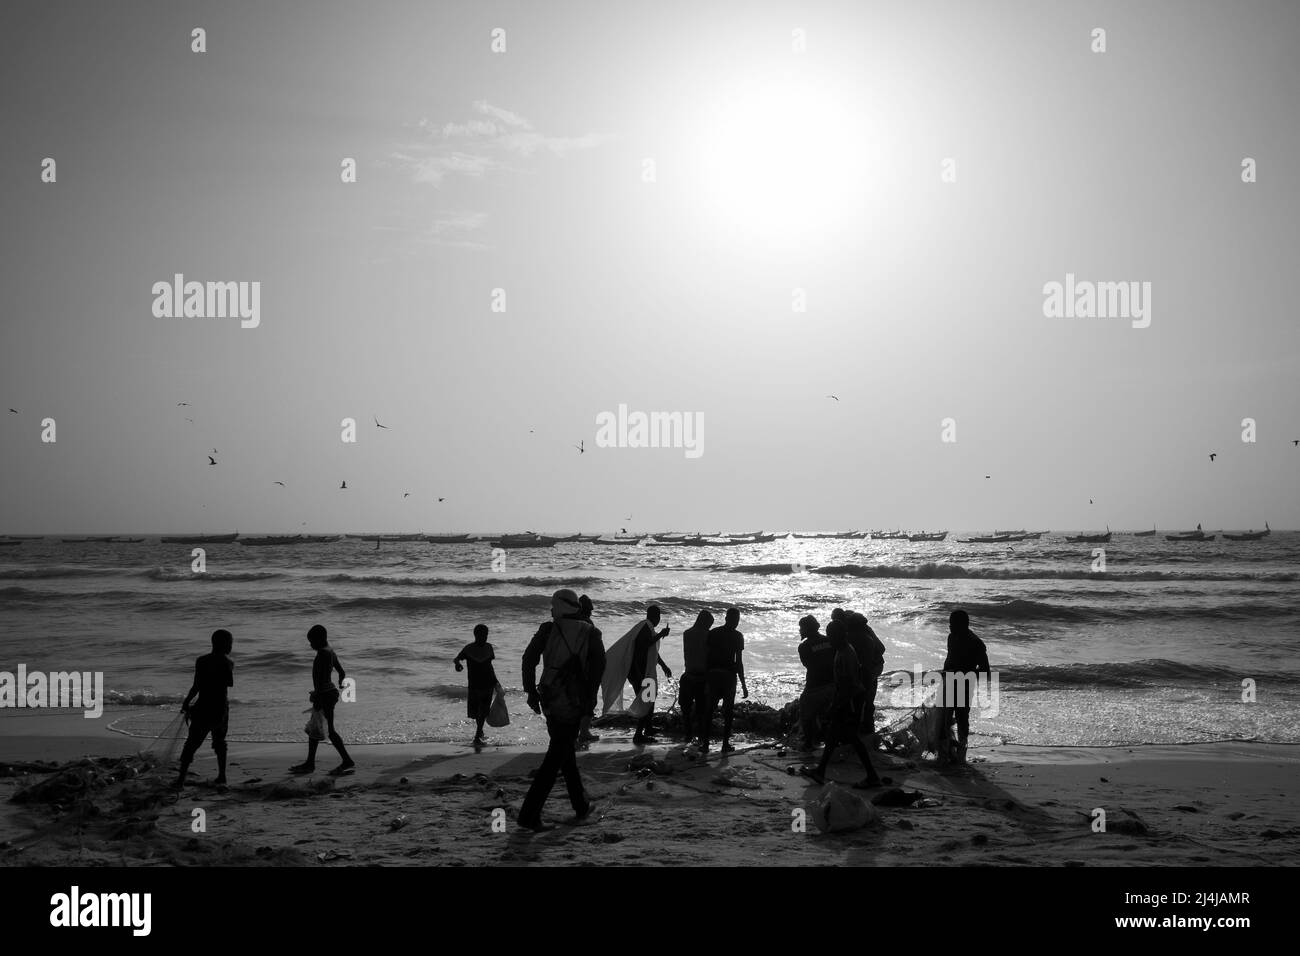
(896, 797)
(1235, 815)
(649, 764)
(404, 780)
(743, 778)
(1129, 824)
(906, 825)
(76, 781)
(330, 856)
(837, 810)
(608, 836)
(398, 822)
(979, 839)
(925, 803)
(1103, 780)
(1185, 808)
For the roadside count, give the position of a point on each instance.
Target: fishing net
(161, 751)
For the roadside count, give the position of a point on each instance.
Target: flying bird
(343, 486)
(836, 397)
(581, 449)
(1089, 501)
(377, 425)
(1213, 455)
(1294, 441)
(622, 530)
(182, 404)
(407, 495)
(190, 420)
(14, 410)
(988, 476)
(211, 460)
(442, 499)
(280, 483)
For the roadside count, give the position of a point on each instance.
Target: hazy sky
(774, 170)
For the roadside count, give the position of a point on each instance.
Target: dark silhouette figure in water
(214, 675)
(585, 609)
(726, 646)
(482, 677)
(967, 655)
(638, 673)
(693, 686)
(572, 654)
(324, 698)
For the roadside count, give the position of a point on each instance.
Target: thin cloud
(490, 142)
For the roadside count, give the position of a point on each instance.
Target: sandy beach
(1228, 804)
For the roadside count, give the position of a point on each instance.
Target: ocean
(1155, 649)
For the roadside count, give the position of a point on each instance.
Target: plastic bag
(498, 716)
(317, 727)
(835, 810)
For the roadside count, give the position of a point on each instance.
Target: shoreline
(1165, 805)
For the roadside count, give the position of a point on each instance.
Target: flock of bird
(581, 448)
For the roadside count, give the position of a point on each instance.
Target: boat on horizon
(1197, 535)
(201, 538)
(995, 539)
(1145, 534)
(1251, 535)
(447, 538)
(623, 542)
(924, 536)
(1090, 538)
(537, 541)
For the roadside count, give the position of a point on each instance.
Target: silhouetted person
(324, 697)
(726, 664)
(482, 677)
(966, 655)
(842, 725)
(692, 688)
(214, 675)
(585, 736)
(871, 655)
(817, 655)
(572, 654)
(642, 668)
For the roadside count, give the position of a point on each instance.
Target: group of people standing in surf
(837, 706)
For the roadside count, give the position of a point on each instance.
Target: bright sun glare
(784, 162)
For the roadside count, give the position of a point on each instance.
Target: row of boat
(664, 539)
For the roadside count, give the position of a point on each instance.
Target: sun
(784, 160)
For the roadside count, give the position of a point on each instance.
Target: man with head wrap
(572, 654)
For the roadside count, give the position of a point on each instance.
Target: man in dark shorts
(818, 656)
(726, 647)
(214, 675)
(967, 656)
(692, 689)
(324, 697)
(482, 677)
